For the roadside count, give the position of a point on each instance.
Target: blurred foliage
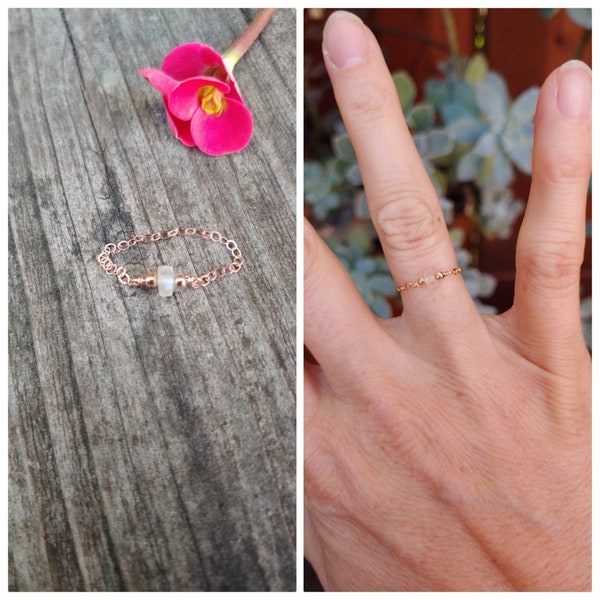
(472, 138)
(579, 16)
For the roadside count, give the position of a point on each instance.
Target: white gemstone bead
(431, 280)
(165, 278)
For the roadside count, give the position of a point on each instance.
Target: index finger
(336, 318)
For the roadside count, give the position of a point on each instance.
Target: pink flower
(203, 103)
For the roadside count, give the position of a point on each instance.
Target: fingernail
(345, 40)
(574, 95)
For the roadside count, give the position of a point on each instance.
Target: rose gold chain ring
(429, 279)
(165, 279)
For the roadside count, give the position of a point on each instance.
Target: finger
(402, 201)
(552, 237)
(336, 318)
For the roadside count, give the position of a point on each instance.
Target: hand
(445, 450)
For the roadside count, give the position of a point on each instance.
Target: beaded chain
(429, 279)
(165, 279)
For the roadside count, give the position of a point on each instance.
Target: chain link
(106, 262)
(429, 279)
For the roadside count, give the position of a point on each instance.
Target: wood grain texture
(152, 440)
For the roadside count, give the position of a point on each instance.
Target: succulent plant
(469, 133)
(492, 134)
(369, 272)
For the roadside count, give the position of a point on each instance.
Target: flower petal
(191, 60)
(229, 132)
(183, 101)
(159, 80)
(180, 128)
(235, 90)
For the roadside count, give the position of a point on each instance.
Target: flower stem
(241, 45)
(452, 36)
(587, 34)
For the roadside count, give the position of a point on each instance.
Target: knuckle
(408, 222)
(390, 428)
(369, 104)
(396, 432)
(566, 172)
(326, 488)
(551, 266)
(564, 165)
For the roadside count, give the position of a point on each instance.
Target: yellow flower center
(211, 100)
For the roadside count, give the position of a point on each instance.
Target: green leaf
(335, 170)
(361, 208)
(315, 189)
(353, 176)
(518, 144)
(447, 209)
(439, 143)
(420, 141)
(360, 238)
(381, 307)
(342, 148)
(323, 206)
(466, 130)
(437, 93)
(382, 284)
(491, 95)
(502, 170)
(406, 88)
(477, 68)
(581, 16)
(455, 111)
(342, 251)
(468, 167)
(457, 235)
(361, 282)
(312, 170)
(548, 13)
(366, 265)
(421, 116)
(486, 145)
(523, 108)
(487, 285)
(440, 182)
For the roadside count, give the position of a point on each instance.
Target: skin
(446, 450)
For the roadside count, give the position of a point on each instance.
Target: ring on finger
(430, 279)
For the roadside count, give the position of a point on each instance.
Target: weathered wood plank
(152, 441)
